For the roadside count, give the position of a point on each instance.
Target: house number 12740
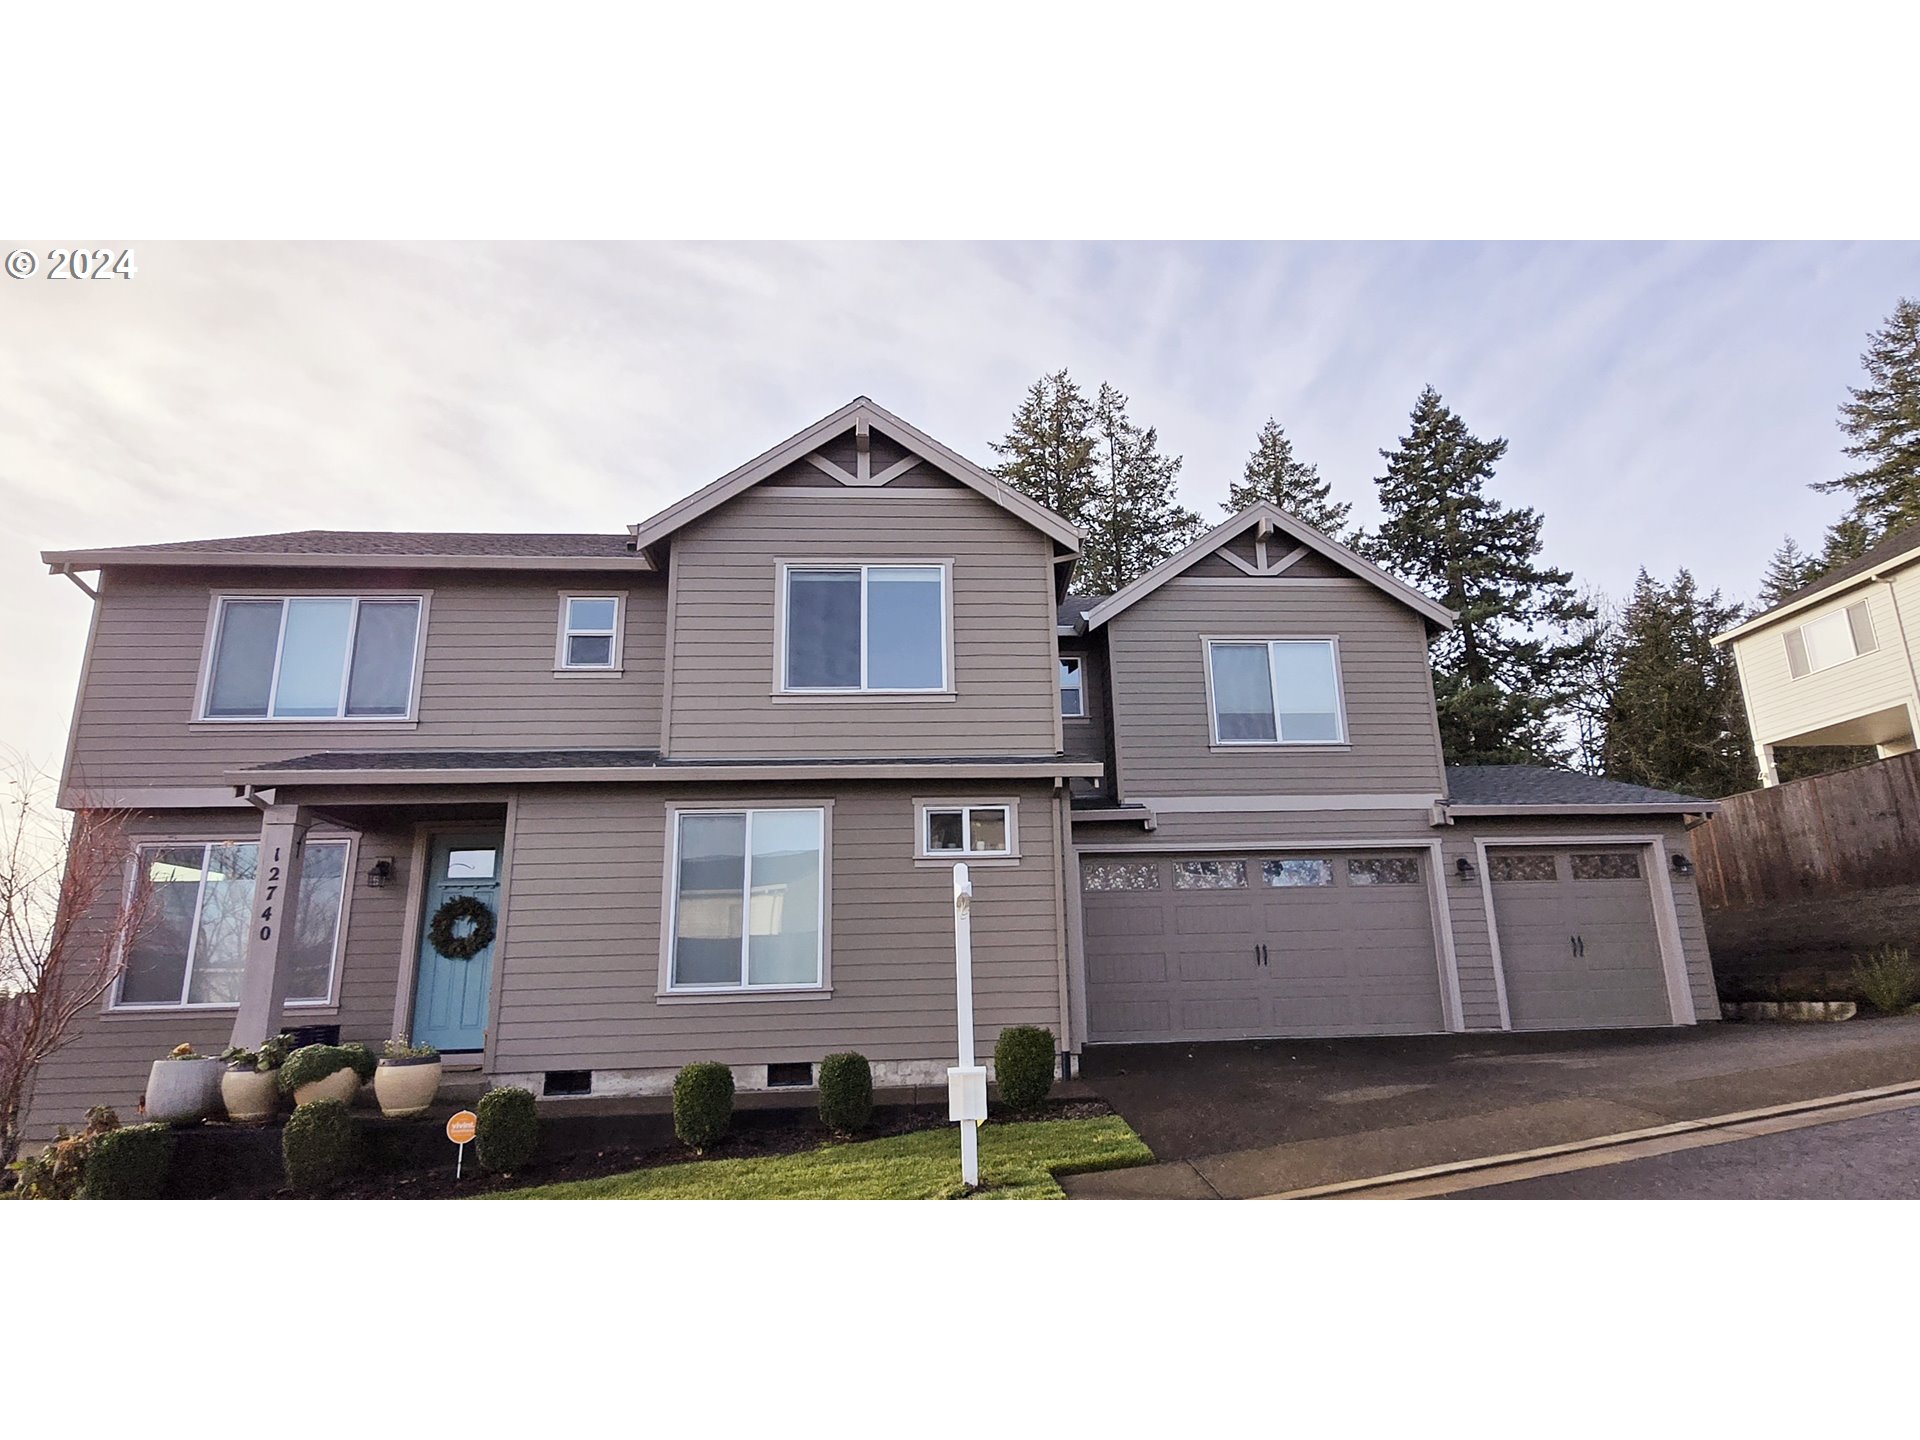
(273, 888)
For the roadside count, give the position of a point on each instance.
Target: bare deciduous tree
(67, 917)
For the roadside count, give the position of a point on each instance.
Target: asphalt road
(1876, 1157)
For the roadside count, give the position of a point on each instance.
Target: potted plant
(184, 1086)
(407, 1078)
(250, 1088)
(325, 1072)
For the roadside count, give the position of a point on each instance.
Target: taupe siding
(583, 940)
(1162, 728)
(108, 1059)
(487, 682)
(726, 569)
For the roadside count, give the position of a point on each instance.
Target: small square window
(590, 632)
(968, 830)
(946, 830)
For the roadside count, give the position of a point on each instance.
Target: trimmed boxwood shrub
(311, 1063)
(129, 1164)
(321, 1146)
(846, 1092)
(702, 1103)
(1023, 1065)
(508, 1131)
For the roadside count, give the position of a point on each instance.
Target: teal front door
(452, 989)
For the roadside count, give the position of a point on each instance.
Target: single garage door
(1231, 948)
(1578, 943)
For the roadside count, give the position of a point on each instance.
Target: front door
(454, 982)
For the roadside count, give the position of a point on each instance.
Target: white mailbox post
(966, 1082)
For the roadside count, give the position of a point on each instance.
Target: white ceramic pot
(184, 1089)
(342, 1085)
(250, 1095)
(406, 1088)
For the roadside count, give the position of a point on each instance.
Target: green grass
(1017, 1162)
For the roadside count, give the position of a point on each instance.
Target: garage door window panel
(1513, 869)
(1210, 875)
(1608, 865)
(1393, 870)
(1120, 875)
(1290, 874)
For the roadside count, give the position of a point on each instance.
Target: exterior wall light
(380, 872)
(1681, 864)
(1463, 867)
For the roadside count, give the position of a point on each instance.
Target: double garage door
(1226, 948)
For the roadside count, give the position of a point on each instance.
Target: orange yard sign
(460, 1127)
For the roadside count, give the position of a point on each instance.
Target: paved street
(1876, 1157)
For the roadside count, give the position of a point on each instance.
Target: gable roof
(1278, 520)
(1900, 548)
(439, 549)
(1506, 788)
(858, 413)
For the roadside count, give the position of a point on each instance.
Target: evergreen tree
(1132, 521)
(1275, 476)
(1881, 420)
(1789, 569)
(1674, 717)
(1592, 674)
(1504, 672)
(1048, 453)
(1848, 538)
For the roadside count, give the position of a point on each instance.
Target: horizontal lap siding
(1161, 725)
(487, 683)
(582, 947)
(726, 569)
(107, 1061)
(1782, 706)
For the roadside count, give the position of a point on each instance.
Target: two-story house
(1834, 663)
(695, 791)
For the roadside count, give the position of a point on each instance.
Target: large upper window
(748, 899)
(1831, 640)
(194, 946)
(866, 627)
(313, 657)
(1275, 692)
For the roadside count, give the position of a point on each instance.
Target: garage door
(1578, 944)
(1227, 948)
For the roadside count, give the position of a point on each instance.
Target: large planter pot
(406, 1088)
(180, 1090)
(251, 1096)
(342, 1085)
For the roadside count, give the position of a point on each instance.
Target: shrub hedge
(1887, 979)
(129, 1164)
(1023, 1060)
(321, 1146)
(311, 1063)
(702, 1103)
(846, 1092)
(508, 1131)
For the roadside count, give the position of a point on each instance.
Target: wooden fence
(1851, 831)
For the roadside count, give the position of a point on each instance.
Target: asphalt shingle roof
(1547, 787)
(424, 760)
(394, 542)
(1074, 608)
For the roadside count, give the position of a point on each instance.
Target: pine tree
(1504, 672)
(1593, 674)
(1132, 521)
(1048, 453)
(1848, 538)
(1674, 717)
(1275, 476)
(1881, 420)
(1788, 570)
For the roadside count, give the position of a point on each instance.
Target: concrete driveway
(1263, 1117)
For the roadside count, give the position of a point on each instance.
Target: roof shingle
(1549, 788)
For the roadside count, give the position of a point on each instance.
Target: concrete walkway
(1234, 1121)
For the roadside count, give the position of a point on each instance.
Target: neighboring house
(1834, 662)
(708, 779)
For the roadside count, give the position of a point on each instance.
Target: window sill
(578, 672)
(1229, 746)
(306, 724)
(972, 862)
(860, 697)
(729, 997)
(154, 1012)
(1076, 719)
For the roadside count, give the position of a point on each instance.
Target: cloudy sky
(1666, 405)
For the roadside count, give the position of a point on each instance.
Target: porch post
(276, 885)
(1769, 772)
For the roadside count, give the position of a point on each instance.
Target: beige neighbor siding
(1782, 707)
(1162, 731)
(1224, 834)
(108, 1059)
(487, 680)
(583, 939)
(726, 578)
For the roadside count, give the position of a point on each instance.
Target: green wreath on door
(456, 908)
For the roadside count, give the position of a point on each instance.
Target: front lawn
(1017, 1162)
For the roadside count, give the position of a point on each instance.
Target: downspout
(1060, 792)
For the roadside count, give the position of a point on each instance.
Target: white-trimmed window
(193, 949)
(1073, 694)
(313, 657)
(961, 832)
(1275, 692)
(749, 900)
(865, 628)
(1831, 640)
(589, 633)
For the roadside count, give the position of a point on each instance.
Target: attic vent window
(567, 1082)
(792, 1074)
